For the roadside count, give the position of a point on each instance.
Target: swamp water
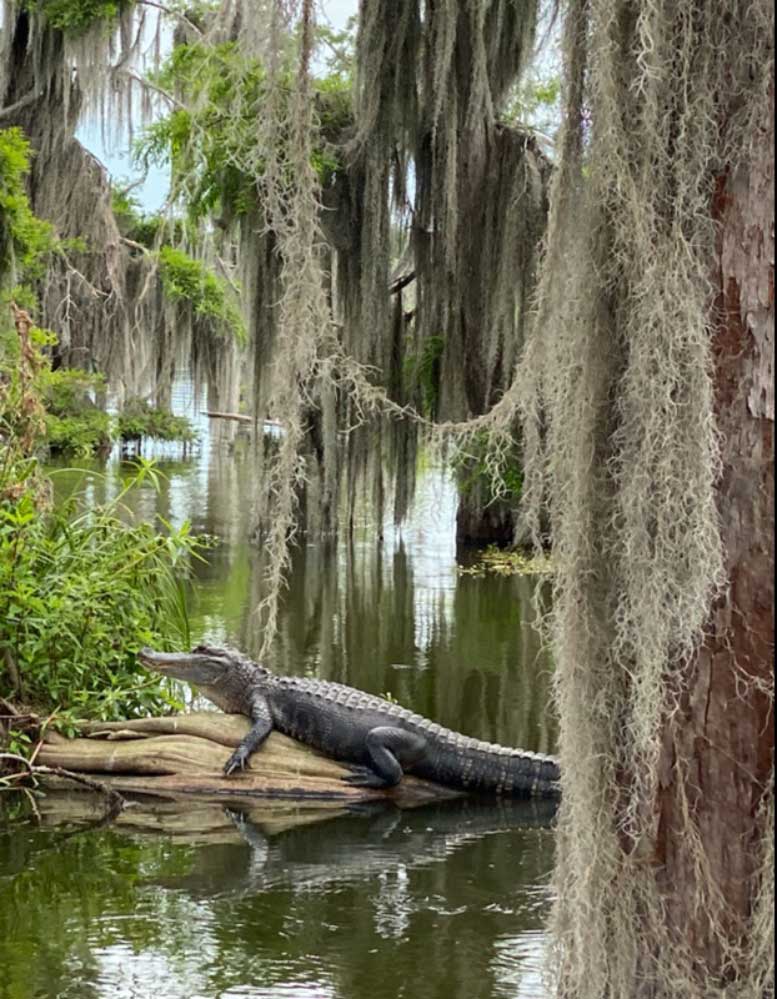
(275, 900)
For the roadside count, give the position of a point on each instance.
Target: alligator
(378, 739)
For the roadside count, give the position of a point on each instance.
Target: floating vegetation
(507, 562)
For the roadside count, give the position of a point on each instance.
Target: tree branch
(401, 282)
(21, 103)
(152, 86)
(116, 801)
(171, 13)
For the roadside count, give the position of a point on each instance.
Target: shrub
(138, 419)
(74, 424)
(78, 597)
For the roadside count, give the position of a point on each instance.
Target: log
(240, 417)
(184, 755)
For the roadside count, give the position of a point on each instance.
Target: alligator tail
(472, 765)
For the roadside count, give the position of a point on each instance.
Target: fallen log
(185, 755)
(240, 417)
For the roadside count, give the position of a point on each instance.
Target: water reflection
(445, 900)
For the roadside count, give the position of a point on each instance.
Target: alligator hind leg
(389, 750)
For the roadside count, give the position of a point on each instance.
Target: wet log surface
(184, 755)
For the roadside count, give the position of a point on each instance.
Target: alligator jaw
(202, 666)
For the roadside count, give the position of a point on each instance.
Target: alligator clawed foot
(360, 776)
(237, 761)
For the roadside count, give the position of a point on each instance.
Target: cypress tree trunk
(725, 733)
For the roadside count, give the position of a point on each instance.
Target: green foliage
(339, 50)
(24, 239)
(67, 390)
(74, 424)
(75, 17)
(206, 144)
(79, 593)
(139, 419)
(479, 476)
(133, 223)
(81, 434)
(19, 742)
(535, 102)
(212, 143)
(334, 114)
(185, 279)
(422, 373)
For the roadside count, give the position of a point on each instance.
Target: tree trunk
(718, 753)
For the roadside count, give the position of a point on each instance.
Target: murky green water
(442, 901)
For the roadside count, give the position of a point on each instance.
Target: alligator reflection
(446, 900)
(364, 844)
(442, 901)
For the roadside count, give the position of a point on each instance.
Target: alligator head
(223, 676)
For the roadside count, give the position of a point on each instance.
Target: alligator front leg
(262, 719)
(389, 750)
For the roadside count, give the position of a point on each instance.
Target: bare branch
(171, 13)
(21, 103)
(148, 85)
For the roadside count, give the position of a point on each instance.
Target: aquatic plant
(506, 562)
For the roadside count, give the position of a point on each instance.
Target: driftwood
(185, 754)
(239, 417)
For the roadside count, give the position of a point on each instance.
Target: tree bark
(718, 752)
